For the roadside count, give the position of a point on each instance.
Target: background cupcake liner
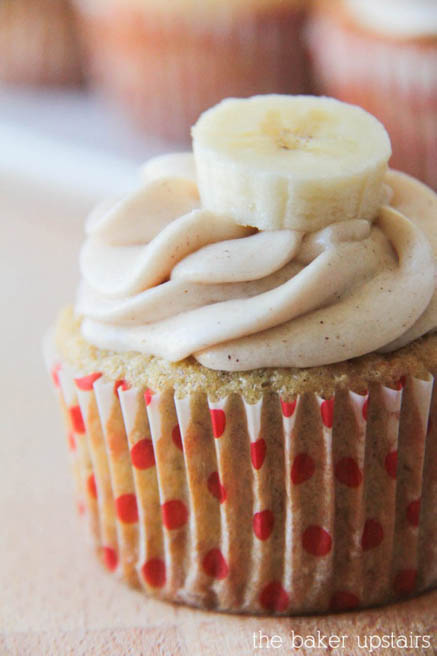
(394, 80)
(308, 506)
(166, 69)
(39, 42)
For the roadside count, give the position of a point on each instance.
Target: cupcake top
(300, 249)
(398, 18)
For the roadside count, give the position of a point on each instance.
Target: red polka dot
(302, 469)
(71, 441)
(154, 572)
(391, 463)
(55, 374)
(174, 514)
(364, 409)
(177, 438)
(215, 565)
(316, 541)
(344, 600)
(218, 419)
(91, 486)
(327, 412)
(258, 453)
(288, 408)
(110, 558)
(123, 384)
(142, 454)
(127, 508)
(263, 523)
(77, 420)
(273, 597)
(86, 382)
(148, 396)
(216, 488)
(348, 472)
(373, 535)
(400, 384)
(81, 507)
(413, 512)
(405, 581)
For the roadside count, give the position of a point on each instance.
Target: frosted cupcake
(383, 56)
(247, 375)
(39, 42)
(167, 61)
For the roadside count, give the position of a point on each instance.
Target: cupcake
(247, 375)
(166, 62)
(38, 42)
(383, 56)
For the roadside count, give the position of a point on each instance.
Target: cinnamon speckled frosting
(142, 371)
(164, 277)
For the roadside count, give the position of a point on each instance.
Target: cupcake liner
(393, 79)
(164, 70)
(39, 43)
(276, 507)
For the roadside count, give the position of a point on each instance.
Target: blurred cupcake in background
(382, 55)
(39, 42)
(166, 61)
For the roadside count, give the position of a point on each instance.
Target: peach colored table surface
(54, 597)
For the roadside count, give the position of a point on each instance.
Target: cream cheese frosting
(399, 18)
(165, 277)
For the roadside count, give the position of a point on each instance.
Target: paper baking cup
(164, 70)
(276, 507)
(394, 80)
(38, 42)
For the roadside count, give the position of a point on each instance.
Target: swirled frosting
(399, 18)
(165, 277)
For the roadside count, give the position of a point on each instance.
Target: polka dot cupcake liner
(393, 79)
(39, 43)
(165, 69)
(314, 505)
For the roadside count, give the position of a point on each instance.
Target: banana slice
(298, 162)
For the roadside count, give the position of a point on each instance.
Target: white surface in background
(70, 142)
